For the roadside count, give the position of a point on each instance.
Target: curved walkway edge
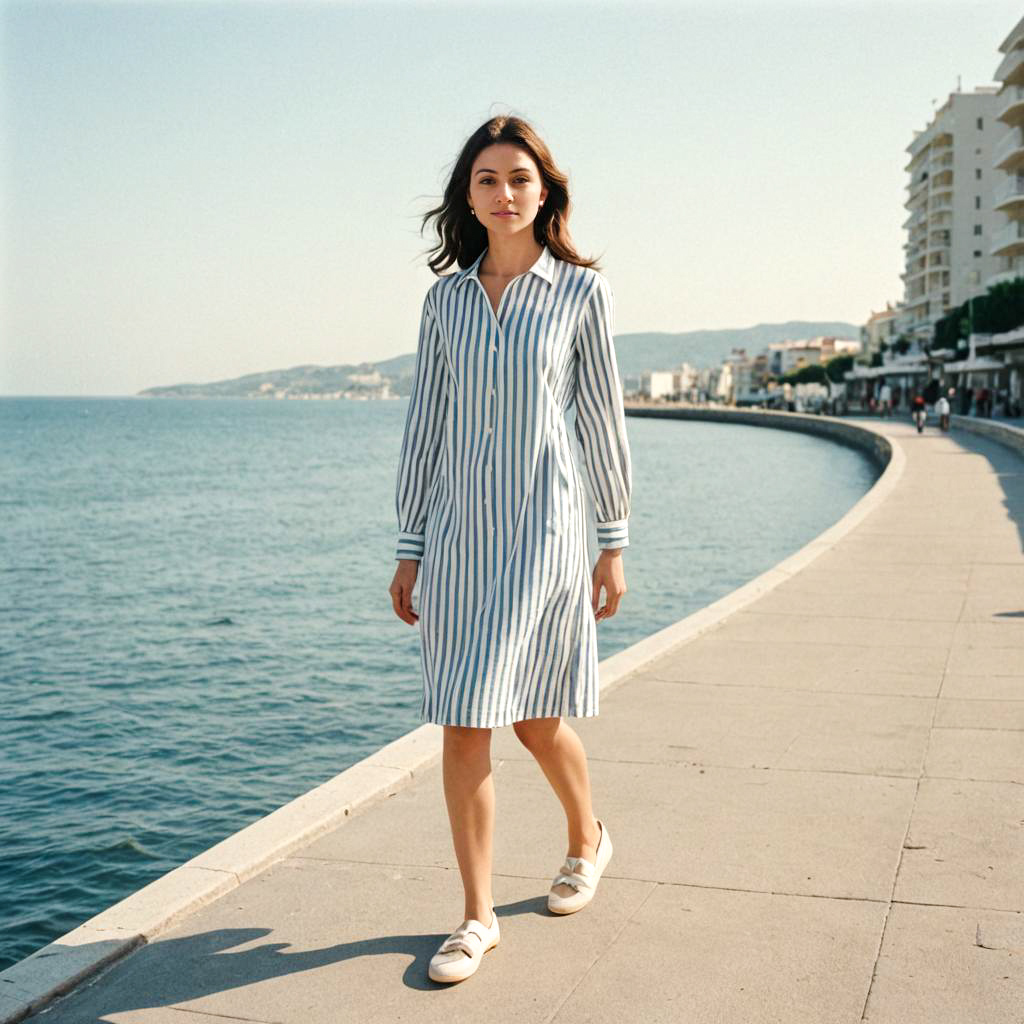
(814, 786)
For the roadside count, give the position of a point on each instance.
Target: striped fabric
(489, 499)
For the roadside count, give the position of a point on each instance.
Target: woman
(491, 508)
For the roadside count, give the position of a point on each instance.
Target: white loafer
(460, 954)
(582, 876)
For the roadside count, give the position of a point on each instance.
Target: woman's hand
(608, 573)
(401, 589)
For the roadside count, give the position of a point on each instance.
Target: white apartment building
(657, 384)
(881, 327)
(950, 221)
(1007, 246)
(741, 372)
(685, 381)
(784, 356)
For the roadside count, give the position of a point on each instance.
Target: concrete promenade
(816, 806)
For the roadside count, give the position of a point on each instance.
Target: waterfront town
(959, 329)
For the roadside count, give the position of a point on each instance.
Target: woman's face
(505, 188)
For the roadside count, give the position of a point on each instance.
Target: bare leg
(560, 754)
(469, 793)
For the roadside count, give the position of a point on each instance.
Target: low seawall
(1004, 433)
(61, 966)
(852, 435)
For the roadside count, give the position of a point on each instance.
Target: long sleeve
(423, 436)
(601, 420)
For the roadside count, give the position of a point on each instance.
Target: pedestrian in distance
(491, 507)
(918, 410)
(885, 400)
(942, 411)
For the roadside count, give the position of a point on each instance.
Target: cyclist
(919, 410)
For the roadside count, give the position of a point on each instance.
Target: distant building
(1007, 248)
(372, 379)
(951, 221)
(880, 327)
(786, 356)
(657, 384)
(686, 382)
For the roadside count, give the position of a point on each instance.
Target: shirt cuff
(410, 545)
(613, 534)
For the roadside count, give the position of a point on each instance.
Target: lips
(505, 214)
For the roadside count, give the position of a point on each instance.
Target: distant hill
(639, 353)
(353, 379)
(636, 354)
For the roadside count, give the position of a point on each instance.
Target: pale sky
(193, 191)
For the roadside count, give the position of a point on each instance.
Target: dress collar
(543, 267)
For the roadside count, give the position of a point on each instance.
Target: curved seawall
(873, 444)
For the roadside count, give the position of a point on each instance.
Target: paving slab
(705, 956)
(755, 727)
(948, 965)
(965, 846)
(959, 684)
(814, 790)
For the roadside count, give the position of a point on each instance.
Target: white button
(492, 391)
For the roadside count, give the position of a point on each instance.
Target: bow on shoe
(577, 872)
(459, 940)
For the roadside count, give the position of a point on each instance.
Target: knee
(467, 740)
(536, 733)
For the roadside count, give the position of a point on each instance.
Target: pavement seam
(606, 875)
(803, 689)
(590, 966)
(220, 1016)
(913, 808)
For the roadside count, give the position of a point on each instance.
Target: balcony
(1011, 67)
(1010, 104)
(1009, 191)
(1009, 150)
(1003, 276)
(915, 187)
(1007, 240)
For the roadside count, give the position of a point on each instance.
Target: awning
(886, 370)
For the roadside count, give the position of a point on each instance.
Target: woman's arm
(601, 420)
(423, 436)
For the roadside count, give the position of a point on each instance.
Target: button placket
(492, 401)
(492, 413)
(493, 417)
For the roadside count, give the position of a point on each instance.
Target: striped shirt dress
(490, 501)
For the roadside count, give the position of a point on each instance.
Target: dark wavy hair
(461, 237)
